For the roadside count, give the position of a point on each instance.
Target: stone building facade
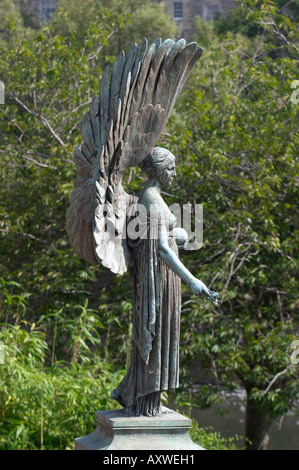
(39, 11)
(46, 9)
(184, 12)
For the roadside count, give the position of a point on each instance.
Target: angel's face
(167, 174)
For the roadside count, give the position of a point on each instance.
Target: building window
(210, 12)
(177, 11)
(46, 9)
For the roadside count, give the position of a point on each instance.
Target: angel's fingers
(207, 291)
(214, 297)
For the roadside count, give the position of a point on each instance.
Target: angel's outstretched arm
(174, 263)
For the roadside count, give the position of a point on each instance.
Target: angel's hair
(157, 160)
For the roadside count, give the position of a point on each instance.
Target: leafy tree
(139, 19)
(236, 150)
(55, 343)
(250, 18)
(30, 13)
(11, 22)
(148, 19)
(211, 440)
(49, 84)
(279, 19)
(235, 135)
(50, 80)
(237, 22)
(46, 406)
(61, 353)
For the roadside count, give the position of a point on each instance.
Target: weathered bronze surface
(119, 133)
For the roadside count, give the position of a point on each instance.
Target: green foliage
(211, 440)
(45, 407)
(11, 23)
(147, 19)
(73, 18)
(65, 324)
(237, 22)
(279, 19)
(236, 148)
(46, 95)
(132, 21)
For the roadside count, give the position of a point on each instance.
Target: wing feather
(118, 133)
(127, 72)
(83, 166)
(85, 151)
(95, 123)
(104, 106)
(87, 134)
(115, 84)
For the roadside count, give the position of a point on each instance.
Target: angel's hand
(213, 297)
(199, 288)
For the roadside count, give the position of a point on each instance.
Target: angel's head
(160, 165)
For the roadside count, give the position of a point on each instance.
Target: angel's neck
(154, 183)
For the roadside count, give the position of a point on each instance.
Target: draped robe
(154, 363)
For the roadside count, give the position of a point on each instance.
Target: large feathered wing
(118, 133)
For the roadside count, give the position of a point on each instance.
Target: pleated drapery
(154, 364)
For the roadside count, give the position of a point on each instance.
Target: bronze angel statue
(118, 133)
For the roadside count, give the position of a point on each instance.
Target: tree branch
(30, 159)
(43, 120)
(274, 379)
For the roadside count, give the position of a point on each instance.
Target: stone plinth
(117, 431)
